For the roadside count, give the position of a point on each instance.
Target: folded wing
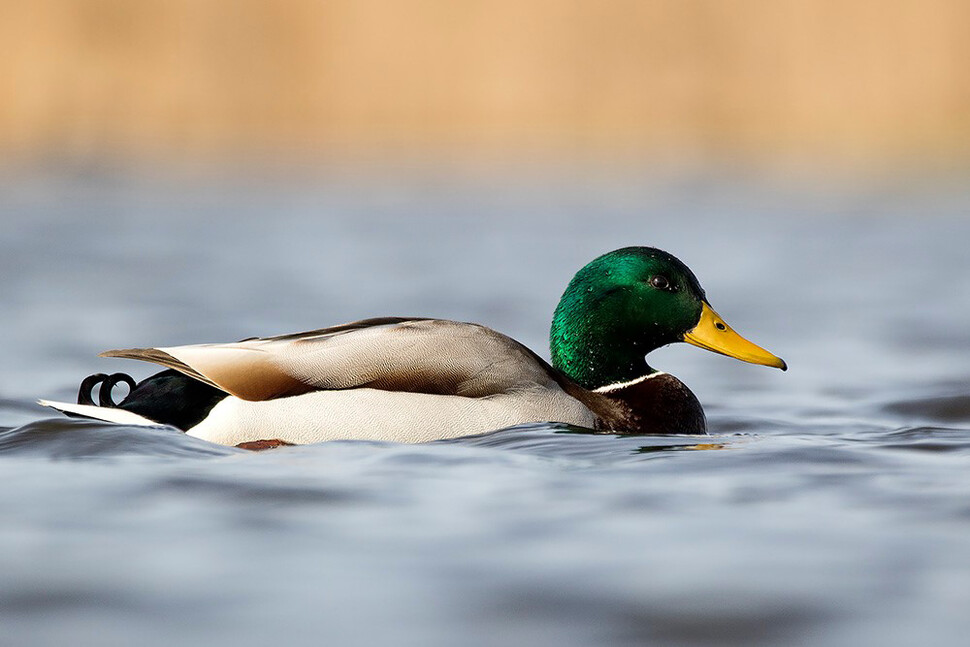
(394, 354)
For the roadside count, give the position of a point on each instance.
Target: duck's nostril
(720, 326)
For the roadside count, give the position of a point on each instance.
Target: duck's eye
(660, 282)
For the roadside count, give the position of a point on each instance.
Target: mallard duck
(414, 380)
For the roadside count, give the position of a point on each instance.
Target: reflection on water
(837, 512)
(680, 448)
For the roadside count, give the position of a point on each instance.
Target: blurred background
(849, 83)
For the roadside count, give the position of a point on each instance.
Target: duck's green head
(629, 302)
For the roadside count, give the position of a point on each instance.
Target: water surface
(830, 505)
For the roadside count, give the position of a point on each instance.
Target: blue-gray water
(830, 505)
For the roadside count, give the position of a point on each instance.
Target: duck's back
(395, 354)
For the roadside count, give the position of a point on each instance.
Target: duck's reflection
(649, 449)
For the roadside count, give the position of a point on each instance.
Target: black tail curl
(108, 382)
(168, 398)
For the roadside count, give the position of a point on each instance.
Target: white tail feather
(107, 414)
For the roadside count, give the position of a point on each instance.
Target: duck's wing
(394, 354)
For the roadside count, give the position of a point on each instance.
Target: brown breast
(660, 404)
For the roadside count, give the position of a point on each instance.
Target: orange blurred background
(853, 81)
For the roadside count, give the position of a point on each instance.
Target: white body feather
(373, 414)
(107, 414)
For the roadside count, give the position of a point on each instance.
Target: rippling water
(830, 505)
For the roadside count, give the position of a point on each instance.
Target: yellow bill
(713, 334)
